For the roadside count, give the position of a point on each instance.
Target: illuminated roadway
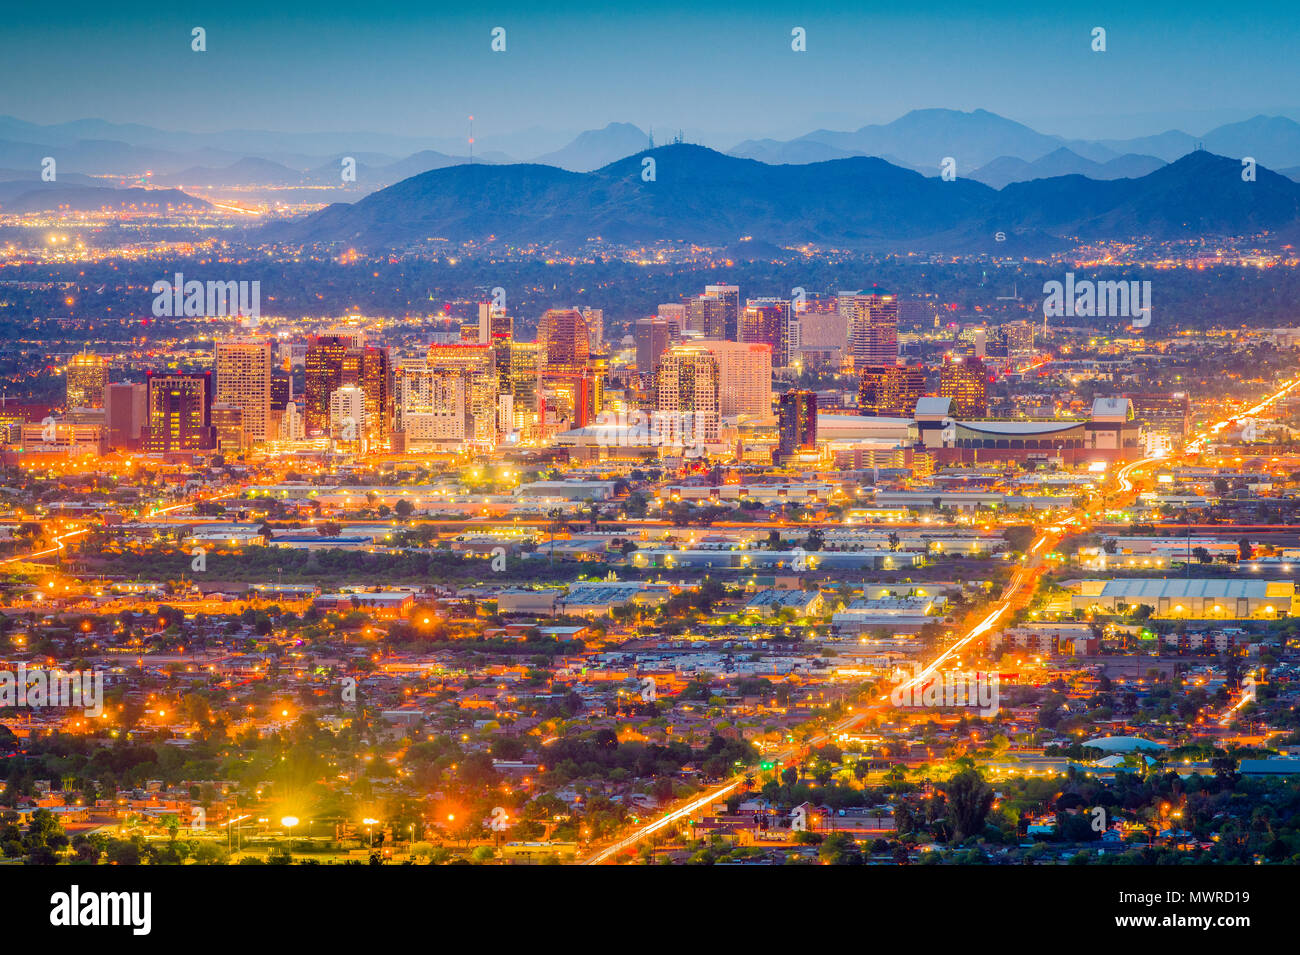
(1024, 575)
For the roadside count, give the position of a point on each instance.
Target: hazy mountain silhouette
(704, 196)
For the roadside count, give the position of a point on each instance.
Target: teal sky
(726, 70)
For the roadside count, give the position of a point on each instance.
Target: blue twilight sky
(722, 71)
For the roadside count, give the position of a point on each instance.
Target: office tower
(519, 372)
(125, 411)
(768, 321)
(653, 336)
(729, 296)
(477, 365)
(1018, 337)
(86, 381)
(228, 426)
(179, 413)
(565, 341)
(873, 327)
(433, 410)
(244, 381)
(281, 389)
(890, 390)
(1169, 413)
(494, 323)
(348, 416)
(964, 379)
(823, 331)
(568, 377)
(595, 319)
(675, 315)
(686, 382)
(324, 375)
(291, 354)
(744, 377)
(716, 313)
(376, 380)
(796, 423)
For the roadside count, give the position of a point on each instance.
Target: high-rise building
(376, 382)
(432, 406)
(595, 319)
(769, 321)
(873, 327)
(228, 426)
(324, 375)
(687, 382)
(744, 377)
(244, 371)
(519, 372)
(477, 365)
(494, 323)
(334, 361)
(179, 417)
(796, 423)
(1018, 337)
(348, 416)
(964, 379)
(890, 390)
(281, 389)
(653, 336)
(86, 381)
(716, 313)
(126, 408)
(568, 376)
(289, 425)
(675, 315)
(565, 341)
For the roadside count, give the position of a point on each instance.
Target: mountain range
(987, 147)
(703, 196)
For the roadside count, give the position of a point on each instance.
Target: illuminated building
(376, 381)
(873, 327)
(348, 416)
(716, 313)
(653, 336)
(477, 365)
(890, 390)
(432, 410)
(494, 324)
(964, 379)
(125, 412)
(565, 341)
(1018, 338)
(179, 417)
(1168, 414)
(568, 375)
(686, 382)
(86, 381)
(796, 423)
(770, 322)
(519, 372)
(244, 381)
(228, 426)
(337, 360)
(324, 375)
(744, 377)
(595, 320)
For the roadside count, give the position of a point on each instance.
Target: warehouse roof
(1174, 587)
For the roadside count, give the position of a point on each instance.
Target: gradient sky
(725, 70)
